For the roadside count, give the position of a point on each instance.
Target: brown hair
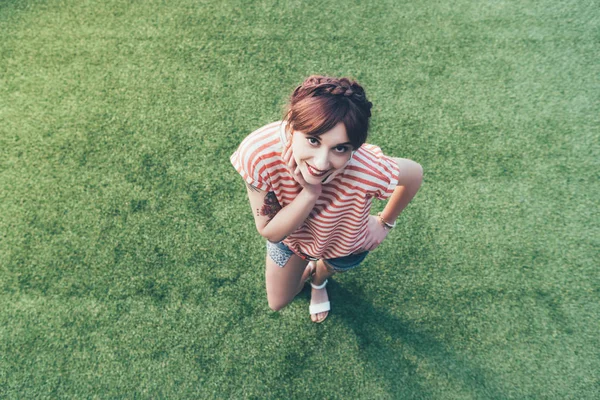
(321, 102)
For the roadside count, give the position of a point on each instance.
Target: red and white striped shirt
(336, 226)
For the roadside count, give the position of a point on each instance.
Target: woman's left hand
(376, 233)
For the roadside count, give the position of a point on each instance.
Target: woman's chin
(312, 179)
(321, 179)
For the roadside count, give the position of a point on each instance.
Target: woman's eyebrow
(340, 144)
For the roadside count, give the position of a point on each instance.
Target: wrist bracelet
(385, 223)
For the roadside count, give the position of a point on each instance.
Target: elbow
(418, 179)
(419, 175)
(411, 173)
(414, 178)
(272, 237)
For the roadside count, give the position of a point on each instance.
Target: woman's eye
(312, 140)
(341, 149)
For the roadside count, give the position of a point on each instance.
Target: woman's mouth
(315, 172)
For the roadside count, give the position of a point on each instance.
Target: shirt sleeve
(387, 172)
(249, 164)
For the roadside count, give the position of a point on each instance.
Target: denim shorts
(280, 254)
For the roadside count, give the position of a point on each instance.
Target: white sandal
(321, 307)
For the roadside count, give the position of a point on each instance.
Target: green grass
(129, 262)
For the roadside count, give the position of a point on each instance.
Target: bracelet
(385, 223)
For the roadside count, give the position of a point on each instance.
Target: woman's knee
(329, 268)
(276, 303)
(282, 283)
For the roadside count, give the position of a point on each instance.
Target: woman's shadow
(407, 356)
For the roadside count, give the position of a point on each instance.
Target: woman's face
(320, 156)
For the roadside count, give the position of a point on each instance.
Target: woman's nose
(322, 160)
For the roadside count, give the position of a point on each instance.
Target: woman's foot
(319, 301)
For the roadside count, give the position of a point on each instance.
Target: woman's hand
(376, 233)
(294, 169)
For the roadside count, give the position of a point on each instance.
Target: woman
(311, 179)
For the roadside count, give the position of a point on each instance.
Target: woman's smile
(314, 171)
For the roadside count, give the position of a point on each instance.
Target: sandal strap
(321, 286)
(319, 308)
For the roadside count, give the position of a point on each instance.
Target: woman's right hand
(294, 169)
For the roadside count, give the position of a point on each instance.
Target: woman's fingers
(372, 246)
(298, 176)
(291, 164)
(288, 158)
(376, 234)
(286, 155)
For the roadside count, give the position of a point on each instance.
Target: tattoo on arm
(270, 207)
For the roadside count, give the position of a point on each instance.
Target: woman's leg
(283, 284)
(319, 296)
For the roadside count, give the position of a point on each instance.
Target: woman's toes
(319, 296)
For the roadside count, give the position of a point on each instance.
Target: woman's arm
(409, 182)
(274, 222)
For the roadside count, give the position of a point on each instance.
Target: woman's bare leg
(319, 296)
(283, 284)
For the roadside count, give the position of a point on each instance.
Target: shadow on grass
(408, 356)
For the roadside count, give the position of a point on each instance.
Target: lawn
(130, 266)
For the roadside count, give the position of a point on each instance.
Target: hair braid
(316, 85)
(321, 101)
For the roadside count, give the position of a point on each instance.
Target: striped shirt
(337, 225)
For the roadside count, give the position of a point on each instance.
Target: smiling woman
(321, 158)
(311, 179)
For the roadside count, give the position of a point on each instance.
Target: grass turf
(129, 262)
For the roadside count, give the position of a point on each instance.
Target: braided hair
(321, 102)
